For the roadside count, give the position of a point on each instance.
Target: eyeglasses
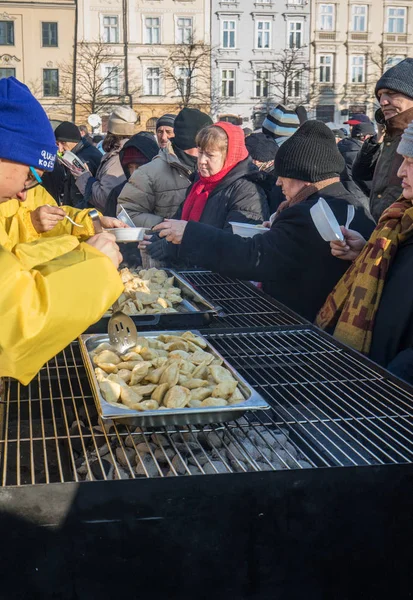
(33, 179)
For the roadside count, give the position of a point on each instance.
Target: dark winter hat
(281, 122)
(167, 120)
(261, 147)
(187, 124)
(145, 144)
(26, 135)
(338, 133)
(363, 129)
(399, 78)
(310, 154)
(67, 132)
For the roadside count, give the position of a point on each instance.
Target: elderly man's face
(163, 135)
(15, 179)
(405, 173)
(393, 103)
(291, 187)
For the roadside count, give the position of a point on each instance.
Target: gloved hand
(158, 249)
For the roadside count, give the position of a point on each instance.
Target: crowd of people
(186, 184)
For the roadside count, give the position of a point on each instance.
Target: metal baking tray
(194, 311)
(176, 416)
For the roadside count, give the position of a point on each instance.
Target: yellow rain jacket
(43, 309)
(17, 233)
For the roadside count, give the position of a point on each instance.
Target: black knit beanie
(399, 78)
(67, 132)
(187, 125)
(261, 147)
(310, 154)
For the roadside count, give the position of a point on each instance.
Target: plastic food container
(247, 229)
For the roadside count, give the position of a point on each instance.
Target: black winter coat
(392, 343)
(349, 149)
(236, 198)
(292, 260)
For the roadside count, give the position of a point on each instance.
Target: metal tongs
(121, 329)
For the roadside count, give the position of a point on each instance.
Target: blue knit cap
(26, 135)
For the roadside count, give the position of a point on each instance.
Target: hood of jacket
(349, 145)
(131, 143)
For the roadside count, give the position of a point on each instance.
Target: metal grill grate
(242, 304)
(328, 409)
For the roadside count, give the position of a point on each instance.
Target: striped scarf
(352, 305)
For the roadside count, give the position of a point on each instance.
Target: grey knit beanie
(399, 78)
(405, 148)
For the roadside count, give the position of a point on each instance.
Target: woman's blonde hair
(212, 138)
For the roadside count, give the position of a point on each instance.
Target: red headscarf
(198, 196)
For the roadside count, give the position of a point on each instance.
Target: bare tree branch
(187, 73)
(99, 78)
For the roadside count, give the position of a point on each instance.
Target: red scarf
(198, 196)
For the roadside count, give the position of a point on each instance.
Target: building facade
(260, 56)
(353, 43)
(35, 37)
(150, 54)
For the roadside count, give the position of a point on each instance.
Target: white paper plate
(325, 222)
(128, 234)
(247, 229)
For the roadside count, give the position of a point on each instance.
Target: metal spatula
(121, 330)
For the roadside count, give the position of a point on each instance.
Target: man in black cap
(61, 183)
(378, 160)
(292, 260)
(349, 147)
(165, 129)
(157, 189)
(262, 149)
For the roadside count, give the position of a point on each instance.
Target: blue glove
(158, 249)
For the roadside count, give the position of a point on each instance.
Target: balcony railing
(326, 36)
(398, 38)
(359, 37)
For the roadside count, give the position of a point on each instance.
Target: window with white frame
(111, 80)
(359, 17)
(228, 83)
(228, 33)
(392, 61)
(152, 30)
(111, 29)
(153, 81)
(326, 17)
(325, 68)
(396, 19)
(263, 34)
(357, 68)
(184, 30)
(183, 81)
(294, 86)
(295, 32)
(261, 84)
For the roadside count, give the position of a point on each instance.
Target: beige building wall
(353, 43)
(146, 51)
(23, 53)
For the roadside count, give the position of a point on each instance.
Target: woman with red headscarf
(224, 189)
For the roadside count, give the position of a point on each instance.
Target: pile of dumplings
(148, 292)
(164, 372)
